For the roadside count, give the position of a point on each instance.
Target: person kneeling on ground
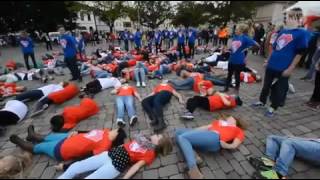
(110, 164)
(155, 102)
(224, 133)
(125, 100)
(65, 146)
(72, 115)
(57, 97)
(280, 153)
(217, 101)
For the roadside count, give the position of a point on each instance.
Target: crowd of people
(106, 153)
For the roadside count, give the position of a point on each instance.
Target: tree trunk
(111, 25)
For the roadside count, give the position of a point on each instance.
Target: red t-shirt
(126, 91)
(198, 77)
(205, 85)
(216, 103)
(64, 95)
(7, 88)
(132, 62)
(163, 87)
(137, 153)
(227, 133)
(80, 145)
(138, 57)
(74, 114)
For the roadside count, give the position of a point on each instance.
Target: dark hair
(57, 123)
(65, 84)
(122, 135)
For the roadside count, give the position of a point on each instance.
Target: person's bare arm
(235, 144)
(137, 95)
(293, 65)
(225, 100)
(178, 95)
(151, 94)
(134, 169)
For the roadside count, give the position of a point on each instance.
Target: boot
(195, 173)
(161, 125)
(21, 143)
(32, 136)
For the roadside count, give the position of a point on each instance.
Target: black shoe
(133, 120)
(260, 163)
(121, 124)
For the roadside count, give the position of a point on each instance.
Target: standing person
(215, 36)
(289, 46)
(27, 49)
(171, 38)
(81, 45)
(181, 44)
(125, 38)
(259, 34)
(314, 102)
(192, 34)
(237, 59)
(137, 39)
(166, 38)
(47, 40)
(158, 39)
(69, 46)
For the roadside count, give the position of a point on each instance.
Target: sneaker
(121, 123)
(138, 84)
(257, 104)
(188, 116)
(270, 112)
(133, 120)
(292, 89)
(261, 163)
(270, 174)
(144, 84)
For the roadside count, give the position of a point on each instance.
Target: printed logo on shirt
(235, 45)
(283, 41)
(190, 34)
(63, 43)
(25, 43)
(135, 147)
(95, 135)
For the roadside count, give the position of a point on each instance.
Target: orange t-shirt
(163, 87)
(227, 133)
(205, 85)
(197, 78)
(110, 67)
(223, 33)
(138, 57)
(64, 95)
(137, 153)
(80, 145)
(74, 114)
(251, 79)
(7, 88)
(132, 62)
(126, 91)
(216, 103)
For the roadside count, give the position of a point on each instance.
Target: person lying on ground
(154, 103)
(10, 89)
(215, 102)
(13, 112)
(65, 146)
(100, 84)
(280, 154)
(226, 132)
(136, 154)
(16, 76)
(41, 92)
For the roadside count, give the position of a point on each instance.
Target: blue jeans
(283, 150)
(85, 69)
(125, 102)
(216, 81)
(188, 139)
(186, 84)
(102, 74)
(48, 145)
(140, 72)
(164, 69)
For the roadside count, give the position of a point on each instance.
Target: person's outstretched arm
(137, 95)
(134, 169)
(178, 95)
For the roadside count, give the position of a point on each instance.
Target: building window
(89, 17)
(81, 16)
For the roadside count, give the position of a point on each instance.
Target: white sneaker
(121, 123)
(138, 84)
(292, 89)
(144, 84)
(133, 120)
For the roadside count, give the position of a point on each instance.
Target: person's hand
(223, 144)
(181, 101)
(59, 167)
(287, 72)
(73, 133)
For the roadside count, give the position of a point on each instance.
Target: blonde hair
(16, 165)
(165, 145)
(243, 28)
(239, 121)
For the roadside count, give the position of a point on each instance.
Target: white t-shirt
(212, 58)
(109, 82)
(50, 89)
(16, 107)
(223, 65)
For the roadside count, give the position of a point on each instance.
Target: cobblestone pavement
(293, 119)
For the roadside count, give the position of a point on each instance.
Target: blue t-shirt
(81, 44)
(238, 45)
(286, 47)
(171, 34)
(69, 45)
(181, 37)
(125, 36)
(192, 35)
(157, 37)
(165, 34)
(26, 45)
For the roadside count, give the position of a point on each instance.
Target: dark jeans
(171, 42)
(198, 102)
(30, 95)
(181, 46)
(26, 60)
(121, 67)
(154, 105)
(278, 90)
(234, 69)
(191, 46)
(316, 93)
(73, 67)
(126, 45)
(48, 45)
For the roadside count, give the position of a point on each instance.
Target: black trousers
(8, 118)
(48, 45)
(154, 105)
(30, 95)
(181, 47)
(26, 60)
(121, 67)
(316, 93)
(198, 102)
(73, 67)
(278, 88)
(234, 69)
(191, 47)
